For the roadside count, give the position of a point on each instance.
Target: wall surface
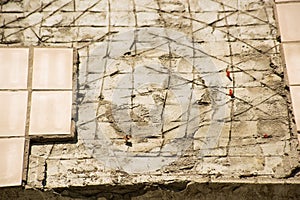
(174, 91)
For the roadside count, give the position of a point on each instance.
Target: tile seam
(294, 84)
(27, 138)
(51, 90)
(13, 90)
(287, 2)
(11, 136)
(29, 89)
(290, 41)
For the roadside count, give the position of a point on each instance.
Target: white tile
(50, 113)
(13, 68)
(295, 95)
(291, 56)
(13, 107)
(11, 161)
(289, 27)
(52, 68)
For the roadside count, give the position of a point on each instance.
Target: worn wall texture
(155, 70)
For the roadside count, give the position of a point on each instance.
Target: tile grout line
(29, 96)
(289, 41)
(13, 90)
(51, 90)
(74, 113)
(286, 2)
(230, 67)
(29, 88)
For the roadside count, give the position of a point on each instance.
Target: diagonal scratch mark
(23, 17)
(244, 12)
(254, 106)
(100, 39)
(37, 22)
(83, 12)
(212, 25)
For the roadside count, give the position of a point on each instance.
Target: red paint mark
(228, 74)
(231, 93)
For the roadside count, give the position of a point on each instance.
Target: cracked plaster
(156, 63)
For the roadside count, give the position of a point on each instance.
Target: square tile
(11, 159)
(121, 5)
(52, 68)
(292, 60)
(13, 108)
(289, 27)
(295, 95)
(50, 113)
(13, 68)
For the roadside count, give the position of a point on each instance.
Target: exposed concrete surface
(156, 71)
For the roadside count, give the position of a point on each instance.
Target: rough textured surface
(156, 72)
(164, 190)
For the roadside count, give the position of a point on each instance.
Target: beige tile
(11, 159)
(13, 68)
(279, 1)
(13, 107)
(50, 112)
(52, 68)
(295, 94)
(291, 56)
(287, 18)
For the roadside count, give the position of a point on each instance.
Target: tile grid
(13, 141)
(31, 90)
(255, 109)
(14, 173)
(286, 12)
